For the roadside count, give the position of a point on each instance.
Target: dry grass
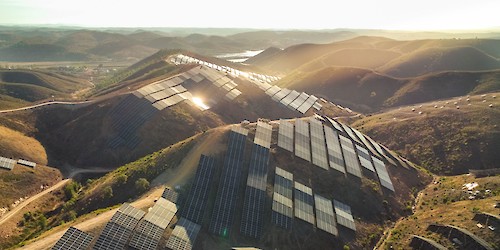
(17, 145)
(445, 202)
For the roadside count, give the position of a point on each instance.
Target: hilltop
(439, 136)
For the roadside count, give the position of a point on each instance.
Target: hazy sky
(314, 14)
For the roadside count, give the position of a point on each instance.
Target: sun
(199, 103)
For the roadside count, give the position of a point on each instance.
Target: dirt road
(209, 143)
(43, 104)
(19, 207)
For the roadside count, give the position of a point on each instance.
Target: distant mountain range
(76, 44)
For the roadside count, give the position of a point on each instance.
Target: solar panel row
(334, 150)
(318, 147)
(263, 134)
(148, 232)
(344, 215)
(7, 163)
(170, 195)
(73, 239)
(351, 160)
(382, 173)
(304, 202)
(197, 198)
(364, 158)
(184, 235)
(285, 135)
(118, 230)
(325, 217)
(302, 140)
(26, 163)
(225, 201)
(282, 208)
(255, 194)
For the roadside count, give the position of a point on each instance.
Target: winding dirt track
(23, 204)
(43, 104)
(208, 143)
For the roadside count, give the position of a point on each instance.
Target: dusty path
(43, 104)
(209, 143)
(12, 212)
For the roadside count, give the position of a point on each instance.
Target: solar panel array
(304, 202)
(118, 230)
(382, 173)
(184, 235)
(282, 213)
(225, 201)
(285, 135)
(301, 102)
(149, 231)
(364, 158)
(7, 163)
(255, 194)
(197, 198)
(344, 215)
(170, 195)
(318, 147)
(126, 118)
(26, 163)
(302, 146)
(335, 156)
(263, 134)
(73, 239)
(351, 160)
(325, 217)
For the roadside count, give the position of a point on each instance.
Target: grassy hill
(21, 87)
(443, 140)
(445, 202)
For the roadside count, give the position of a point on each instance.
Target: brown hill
(433, 60)
(439, 136)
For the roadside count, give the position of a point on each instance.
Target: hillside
(446, 201)
(175, 166)
(449, 140)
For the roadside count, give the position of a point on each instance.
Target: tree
(107, 192)
(142, 184)
(121, 179)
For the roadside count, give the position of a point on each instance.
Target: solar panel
(351, 160)
(273, 90)
(73, 239)
(344, 215)
(302, 140)
(225, 201)
(349, 132)
(26, 163)
(118, 230)
(289, 98)
(317, 106)
(233, 94)
(307, 104)
(263, 134)
(148, 232)
(7, 163)
(299, 101)
(366, 142)
(281, 94)
(184, 235)
(304, 202)
(285, 135)
(364, 158)
(197, 197)
(335, 124)
(282, 208)
(325, 217)
(382, 173)
(318, 147)
(170, 195)
(334, 150)
(255, 194)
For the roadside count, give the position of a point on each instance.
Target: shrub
(142, 184)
